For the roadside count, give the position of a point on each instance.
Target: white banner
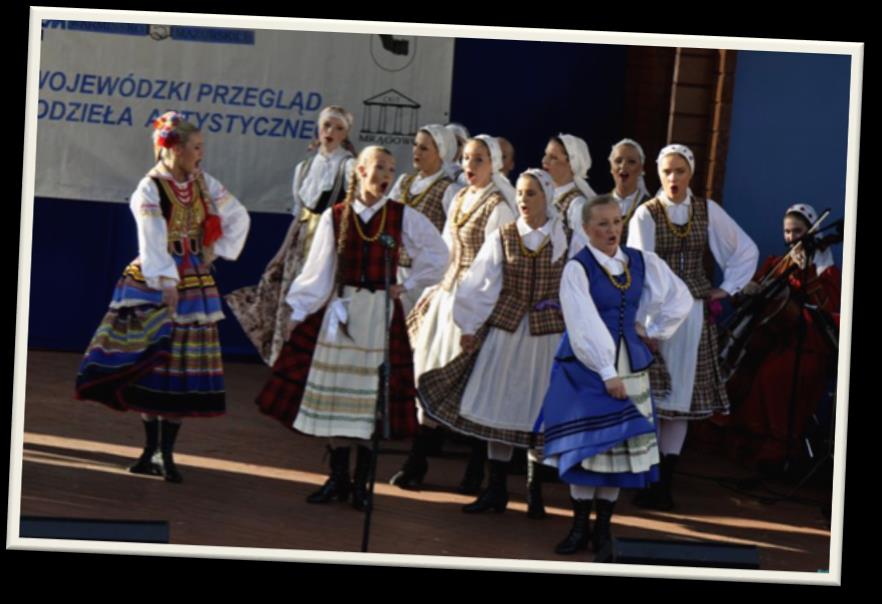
(256, 95)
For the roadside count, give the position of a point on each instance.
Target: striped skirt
(143, 358)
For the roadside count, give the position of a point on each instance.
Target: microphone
(388, 241)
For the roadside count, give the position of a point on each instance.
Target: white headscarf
(641, 182)
(460, 134)
(460, 131)
(345, 117)
(580, 162)
(822, 258)
(501, 182)
(681, 150)
(558, 236)
(444, 139)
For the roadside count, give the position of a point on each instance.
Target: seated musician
(762, 387)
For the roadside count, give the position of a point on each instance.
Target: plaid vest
(469, 237)
(563, 206)
(529, 285)
(429, 203)
(362, 262)
(684, 255)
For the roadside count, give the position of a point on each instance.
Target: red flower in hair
(166, 126)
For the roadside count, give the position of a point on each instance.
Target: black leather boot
(668, 465)
(145, 463)
(360, 477)
(495, 496)
(338, 484)
(415, 466)
(168, 433)
(580, 533)
(474, 474)
(658, 495)
(535, 504)
(601, 540)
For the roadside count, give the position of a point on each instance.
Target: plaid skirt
(282, 395)
(709, 395)
(261, 309)
(441, 392)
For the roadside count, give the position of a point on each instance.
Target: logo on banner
(390, 118)
(160, 32)
(214, 35)
(393, 53)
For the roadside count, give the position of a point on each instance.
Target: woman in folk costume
(326, 381)
(681, 228)
(598, 413)
(157, 350)
(428, 190)
(626, 160)
(567, 160)
(761, 394)
(320, 181)
(508, 310)
(477, 211)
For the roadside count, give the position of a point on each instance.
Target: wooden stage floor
(246, 478)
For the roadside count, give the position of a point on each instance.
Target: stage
(246, 478)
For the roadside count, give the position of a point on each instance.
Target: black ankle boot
(668, 465)
(360, 478)
(580, 533)
(495, 496)
(474, 474)
(145, 463)
(658, 495)
(168, 432)
(535, 504)
(601, 540)
(415, 466)
(338, 484)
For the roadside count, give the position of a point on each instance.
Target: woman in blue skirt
(157, 349)
(600, 429)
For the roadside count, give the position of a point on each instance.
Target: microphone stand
(382, 410)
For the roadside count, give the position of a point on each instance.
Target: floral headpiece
(165, 130)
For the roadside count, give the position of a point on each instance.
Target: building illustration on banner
(390, 117)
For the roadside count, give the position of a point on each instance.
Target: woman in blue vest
(600, 429)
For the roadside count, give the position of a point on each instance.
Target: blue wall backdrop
(788, 143)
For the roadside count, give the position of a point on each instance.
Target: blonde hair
(351, 191)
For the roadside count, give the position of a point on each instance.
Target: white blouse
(322, 173)
(731, 247)
(315, 284)
(157, 265)
(479, 290)
(501, 215)
(421, 183)
(664, 304)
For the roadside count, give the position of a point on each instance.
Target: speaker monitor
(139, 531)
(684, 553)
